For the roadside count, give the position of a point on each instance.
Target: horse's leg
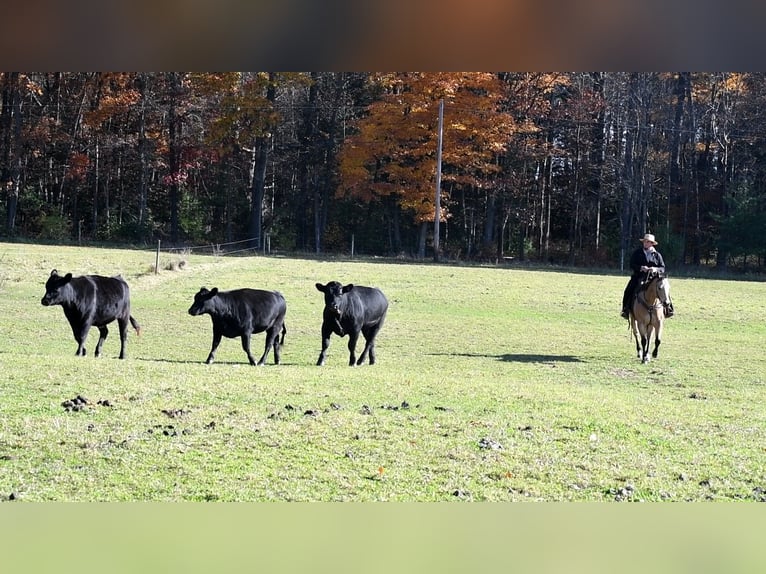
(634, 327)
(640, 327)
(658, 334)
(645, 348)
(646, 336)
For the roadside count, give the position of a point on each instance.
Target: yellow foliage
(394, 149)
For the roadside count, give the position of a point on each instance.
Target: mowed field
(492, 384)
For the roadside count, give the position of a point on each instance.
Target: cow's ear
(347, 288)
(68, 277)
(54, 273)
(320, 287)
(214, 291)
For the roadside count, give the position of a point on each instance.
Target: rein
(641, 296)
(641, 299)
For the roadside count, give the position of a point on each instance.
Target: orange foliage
(78, 166)
(394, 150)
(115, 95)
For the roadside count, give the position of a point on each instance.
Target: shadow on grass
(244, 362)
(519, 357)
(529, 358)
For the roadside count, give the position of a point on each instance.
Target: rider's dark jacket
(640, 258)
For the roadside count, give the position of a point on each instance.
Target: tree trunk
(309, 187)
(10, 128)
(96, 183)
(575, 218)
(598, 156)
(628, 176)
(143, 164)
(258, 187)
(422, 240)
(174, 128)
(488, 238)
(394, 211)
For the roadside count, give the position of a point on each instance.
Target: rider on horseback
(644, 259)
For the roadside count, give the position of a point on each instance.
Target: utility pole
(437, 202)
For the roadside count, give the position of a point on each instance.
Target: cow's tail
(284, 332)
(136, 326)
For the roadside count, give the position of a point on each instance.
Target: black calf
(91, 300)
(352, 310)
(240, 313)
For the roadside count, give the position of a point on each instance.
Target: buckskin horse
(648, 313)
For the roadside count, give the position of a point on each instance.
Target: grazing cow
(91, 300)
(240, 313)
(349, 310)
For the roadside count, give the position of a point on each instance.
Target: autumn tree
(243, 126)
(391, 159)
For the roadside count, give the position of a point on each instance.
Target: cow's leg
(326, 332)
(353, 337)
(272, 340)
(277, 343)
(80, 335)
(103, 332)
(216, 341)
(246, 348)
(369, 347)
(123, 324)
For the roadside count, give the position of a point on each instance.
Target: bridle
(641, 295)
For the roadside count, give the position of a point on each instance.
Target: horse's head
(654, 274)
(658, 282)
(663, 289)
(655, 286)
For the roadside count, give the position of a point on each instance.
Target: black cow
(91, 300)
(349, 310)
(240, 313)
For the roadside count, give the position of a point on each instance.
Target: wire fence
(221, 249)
(217, 249)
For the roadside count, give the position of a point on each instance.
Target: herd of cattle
(95, 300)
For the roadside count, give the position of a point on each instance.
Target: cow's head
(202, 301)
(334, 295)
(55, 289)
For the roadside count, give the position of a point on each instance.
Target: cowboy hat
(648, 237)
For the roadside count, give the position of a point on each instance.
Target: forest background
(567, 168)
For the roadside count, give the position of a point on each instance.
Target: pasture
(492, 384)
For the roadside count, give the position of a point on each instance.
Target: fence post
(352, 246)
(157, 259)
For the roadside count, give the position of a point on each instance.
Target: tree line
(568, 168)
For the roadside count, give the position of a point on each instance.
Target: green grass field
(492, 384)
